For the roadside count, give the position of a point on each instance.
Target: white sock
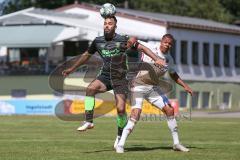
(172, 125)
(126, 131)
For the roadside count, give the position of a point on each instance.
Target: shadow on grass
(98, 151)
(143, 148)
(140, 148)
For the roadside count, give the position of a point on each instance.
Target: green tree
(209, 10)
(12, 7)
(233, 7)
(194, 8)
(16, 5)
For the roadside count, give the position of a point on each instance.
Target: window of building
(195, 99)
(183, 99)
(206, 53)
(205, 99)
(195, 53)
(184, 51)
(14, 55)
(226, 56)
(226, 98)
(216, 52)
(237, 56)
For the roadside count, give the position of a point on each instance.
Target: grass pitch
(45, 137)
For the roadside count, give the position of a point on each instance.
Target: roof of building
(20, 17)
(165, 19)
(34, 27)
(82, 20)
(29, 36)
(57, 14)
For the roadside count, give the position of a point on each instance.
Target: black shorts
(118, 84)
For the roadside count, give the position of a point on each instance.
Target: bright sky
(1, 1)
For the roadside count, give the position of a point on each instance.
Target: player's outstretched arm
(179, 81)
(158, 61)
(132, 42)
(82, 59)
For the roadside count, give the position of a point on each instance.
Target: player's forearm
(149, 53)
(132, 42)
(181, 83)
(83, 59)
(177, 79)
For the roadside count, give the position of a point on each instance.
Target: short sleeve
(92, 49)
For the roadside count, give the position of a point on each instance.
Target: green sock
(121, 123)
(89, 104)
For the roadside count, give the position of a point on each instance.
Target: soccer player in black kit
(112, 49)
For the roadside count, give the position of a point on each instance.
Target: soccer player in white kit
(145, 87)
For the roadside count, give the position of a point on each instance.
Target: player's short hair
(168, 36)
(113, 17)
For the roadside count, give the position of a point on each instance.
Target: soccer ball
(107, 10)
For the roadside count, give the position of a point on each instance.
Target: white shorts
(152, 94)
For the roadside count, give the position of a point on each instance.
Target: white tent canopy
(127, 26)
(83, 23)
(92, 26)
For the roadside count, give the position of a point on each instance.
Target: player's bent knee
(90, 91)
(121, 111)
(168, 110)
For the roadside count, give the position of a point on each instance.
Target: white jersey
(159, 72)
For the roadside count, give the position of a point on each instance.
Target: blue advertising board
(30, 107)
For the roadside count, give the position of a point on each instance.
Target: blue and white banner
(30, 107)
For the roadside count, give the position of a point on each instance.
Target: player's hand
(189, 90)
(66, 72)
(160, 62)
(131, 42)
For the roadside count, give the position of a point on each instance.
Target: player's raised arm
(132, 42)
(82, 59)
(179, 81)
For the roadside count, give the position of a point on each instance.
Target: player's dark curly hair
(168, 36)
(113, 17)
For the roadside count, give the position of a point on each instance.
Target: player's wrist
(156, 59)
(71, 69)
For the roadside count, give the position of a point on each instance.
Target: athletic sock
(120, 130)
(172, 125)
(126, 131)
(89, 116)
(121, 123)
(89, 104)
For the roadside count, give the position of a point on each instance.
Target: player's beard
(109, 34)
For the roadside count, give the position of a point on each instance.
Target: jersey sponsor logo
(110, 53)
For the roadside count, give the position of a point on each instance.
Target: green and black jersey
(113, 53)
